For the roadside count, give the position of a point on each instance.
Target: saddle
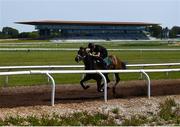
(107, 60)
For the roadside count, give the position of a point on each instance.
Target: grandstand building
(91, 29)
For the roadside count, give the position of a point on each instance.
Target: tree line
(155, 31)
(9, 32)
(159, 32)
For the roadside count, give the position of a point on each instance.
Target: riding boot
(103, 63)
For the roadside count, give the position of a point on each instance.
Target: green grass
(16, 58)
(166, 111)
(135, 121)
(75, 119)
(67, 57)
(48, 44)
(115, 110)
(21, 41)
(37, 58)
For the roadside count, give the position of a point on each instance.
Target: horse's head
(81, 54)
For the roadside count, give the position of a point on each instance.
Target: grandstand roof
(60, 22)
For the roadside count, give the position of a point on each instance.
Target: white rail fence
(80, 66)
(50, 67)
(76, 49)
(48, 72)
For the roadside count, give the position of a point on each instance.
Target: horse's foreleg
(117, 81)
(86, 78)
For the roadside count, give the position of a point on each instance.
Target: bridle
(82, 54)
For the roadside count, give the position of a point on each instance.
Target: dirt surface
(131, 98)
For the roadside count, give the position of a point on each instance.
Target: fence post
(7, 79)
(167, 73)
(53, 88)
(141, 76)
(105, 85)
(48, 76)
(149, 83)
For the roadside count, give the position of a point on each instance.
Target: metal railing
(48, 72)
(76, 49)
(80, 66)
(50, 67)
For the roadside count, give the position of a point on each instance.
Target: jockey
(99, 52)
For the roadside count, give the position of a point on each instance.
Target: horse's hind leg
(86, 78)
(117, 81)
(107, 78)
(99, 86)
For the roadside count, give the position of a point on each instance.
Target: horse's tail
(123, 65)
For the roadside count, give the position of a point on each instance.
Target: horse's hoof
(100, 90)
(86, 87)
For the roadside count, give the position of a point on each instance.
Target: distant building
(178, 36)
(91, 29)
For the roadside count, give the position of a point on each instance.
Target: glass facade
(106, 32)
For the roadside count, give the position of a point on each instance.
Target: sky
(165, 12)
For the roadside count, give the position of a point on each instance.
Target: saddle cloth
(108, 61)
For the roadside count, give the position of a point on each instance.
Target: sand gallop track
(41, 95)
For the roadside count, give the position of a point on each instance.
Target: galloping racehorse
(91, 64)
